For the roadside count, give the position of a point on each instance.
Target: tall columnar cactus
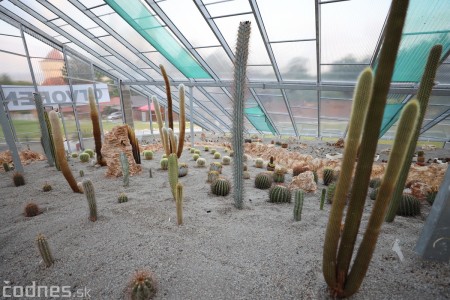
(173, 173)
(322, 198)
(298, 196)
(125, 168)
(239, 85)
(134, 145)
(169, 95)
(44, 130)
(160, 124)
(52, 142)
(96, 127)
(89, 191)
(423, 95)
(179, 203)
(44, 250)
(60, 152)
(364, 128)
(182, 119)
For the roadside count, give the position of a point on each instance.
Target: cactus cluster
(221, 186)
(263, 181)
(182, 169)
(279, 194)
(328, 175)
(409, 206)
(31, 210)
(89, 191)
(143, 286)
(84, 157)
(226, 160)
(44, 250)
(201, 162)
(122, 198)
(148, 154)
(18, 179)
(259, 163)
(298, 204)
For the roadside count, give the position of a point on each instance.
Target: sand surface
(218, 253)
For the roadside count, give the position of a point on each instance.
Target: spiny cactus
(173, 173)
(327, 176)
(216, 166)
(18, 179)
(409, 206)
(164, 164)
(259, 163)
(122, 198)
(212, 175)
(74, 154)
(278, 175)
(182, 169)
(221, 186)
(192, 150)
(84, 157)
(263, 181)
(196, 151)
(90, 152)
(207, 148)
(46, 187)
(44, 250)
(81, 173)
(322, 198)
(45, 137)
(148, 154)
(31, 210)
(213, 151)
(330, 192)
(316, 177)
(179, 203)
(373, 193)
(279, 194)
(298, 197)
(246, 175)
(201, 162)
(217, 155)
(143, 286)
(270, 164)
(226, 160)
(96, 127)
(244, 167)
(125, 168)
(374, 183)
(89, 191)
(195, 157)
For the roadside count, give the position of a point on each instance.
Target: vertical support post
(64, 126)
(191, 109)
(13, 130)
(318, 63)
(74, 101)
(150, 114)
(96, 98)
(25, 46)
(8, 134)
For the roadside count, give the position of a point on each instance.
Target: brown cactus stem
(96, 128)
(371, 131)
(160, 123)
(169, 95)
(398, 157)
(182, 120)
(172, 141)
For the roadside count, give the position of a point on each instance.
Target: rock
(115, 142)
(304, 181)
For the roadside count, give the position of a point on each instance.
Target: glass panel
(73, 13)
(218, 61)
(444, 100)
(153, 73)
(307, 129)
(85, 40)
(302, 98)
(15, 70)
(98, 31)
(296, 61)
(40, 9)
(434, 111)
(102, 10)
(273, 103)
(229, 7)
(304, 112)
(229, 28)
(59, 22)
(172, 71)
(124, 67)
(443, 74)
(332, 127)
(62, 39)
(440, 131)
(348, 30)
(37, 48)
(91, 3)
(266, 73)
(341, 73)
(198, 35)
(12, 44)
(6, 28)
(335, 108)
(298, 19)
(124, 51)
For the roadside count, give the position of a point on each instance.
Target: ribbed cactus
(192, 150)
(44, 130)
(279, 194)
(182, 119)
(374, 183)
(164, 164)
(327, 176)
(316, 177)
(423, 95)
(278, 175)
(90, 152)
(125, 168)
(409, 206)
(173, 173)
(196, 151)
(160, 123)
(322, 198)
(44, 250)
(179, 203)
(263, 181)
(217, 155)
(18, 179)
(363, 132)
(226, 160)
(221, 186)
(239, 89)
(330, 192)
(212, 175)
(134, 145)
(52, 142)
(373, 193)
(259, 163)
(216, 166)
(6, 167)
(148, 154)
(60, 152)
(89, 191)
(143, 286)
(182, 169)
(96, 127)
(122, 198)
(195, 157)
(431, 195)
(201, 162)
(206, 148)
(84, 157)
(298, 206)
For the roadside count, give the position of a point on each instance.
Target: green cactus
(431, 195)
(373, 193)
(193, 150)
(207, 148)
(322, 198)
(278, 175)
(173, 173)
(182, 169)
(164, 156)
(45, 137)
(90, 152)
(216, 166)
(409, 206)
(44, 250)
(89, 191)
(374, 183)
(212, 175)
(363, 132)
(84, 157)
(263, 181)
(122, 198)
(179, 203)
(195, 157)
(221, 186)
(47, 187)
(81, 173)
(279, 194)
(18, 179)
(327, 176)
(196, 151)
(143, 286)
(6, 167)
(148, 154)
(74, 155)
(164, 164)
(201, 162)
(246, 175)
(226, 160)
(217, 155)
(259, 163)
(213, 151)
(330, 192)
(270, 164)
(316, 177)
(298, 197)
(125, 168)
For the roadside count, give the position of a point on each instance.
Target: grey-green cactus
(90, 152)
(89, 191)
(279, 194)
(125, 169)
(278, 175)
(183, 169)
(226, 160)
(409, 206)
(330, 192)
(322, 198)
(213, 151)
(217, 155)
(45, 137)
(6, 167)
(259, 163)
(164, 164)
(179, 203)
(201, 162)
(374, 183)
(195, 157)
(373, 193)
(44, 250)
(298, 206)
(216, 166)
(221, 186)
(84, 157)
(192, 150)
(263, 181)
(212, 175)
(81, 173)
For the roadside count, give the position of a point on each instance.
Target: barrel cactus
(259, 163)
(201, 162)
(279, 194)
(431, 195)
(278, 175)
(213, 151)
(143, 286)
(195, 157)
(122, 198)
(192, 150)
(84, 157)
(196, 151)
(206, 148)
(148, 155)
(221, 186)
(409, 206)
(373, 193)
(327, 176)
(216, 166)
(182, 169)
(375, 183)
(74, 155)
(263, 180)
(90, 152)
(226, 160)
(18, 179)
(316, 177)
(164, 164)
(212, 175)
(217, 155)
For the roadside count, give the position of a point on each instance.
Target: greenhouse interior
(225, 149)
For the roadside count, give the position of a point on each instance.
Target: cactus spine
(341, 282)
(179, 203)
(125, 168)
(44, 250)
(44, 130)
(173, 173)
(299, 196)
(322, 198)
(89, 191)
(96, 127)
(240, 65)
(423, 95)
(60, 152)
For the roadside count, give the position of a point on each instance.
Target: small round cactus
(245, 168)
(216, 166)
(431, 195)
(221, 186)
(373, 194)
(263, 181)
(122, 198)
(84, 157)
(217, 155)
(206, 148)
(374, 183)
(182, 169)
(196, 151)
(192, 150)
(226, 160)
(246, 175)
(31, 210)
(213, 151)
(74, 155)
(47, 187)
(279, 194)
(143, 286)
(148, 154)
(164, 164)
(409, 206)
(212, 175)
(195, 157)
(201, 162)
(327, 176)
(18, 179)
(90, 152)
(259, 163)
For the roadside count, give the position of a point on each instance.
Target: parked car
(115, 115)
